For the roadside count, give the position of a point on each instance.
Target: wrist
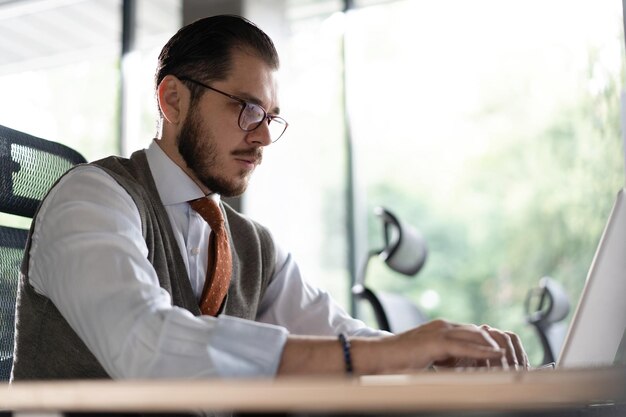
(369, 355)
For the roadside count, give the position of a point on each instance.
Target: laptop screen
(596, 333)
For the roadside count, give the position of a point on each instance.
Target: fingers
(522, 357)
(473, 334)
(515, 355)
(443, 343)
(469, 344)
(503, 340)
(471, 350)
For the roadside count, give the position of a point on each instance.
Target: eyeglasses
(251, 115)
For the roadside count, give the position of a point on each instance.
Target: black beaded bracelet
(347, 356)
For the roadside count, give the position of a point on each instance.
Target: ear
(173, 98)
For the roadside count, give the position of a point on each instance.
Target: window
(56, 84)
(500, 143)
(493, 127)
(65, 87)
(299, 190)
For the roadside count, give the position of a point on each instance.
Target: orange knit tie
(220, 262)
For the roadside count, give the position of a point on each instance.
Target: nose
(260, 136)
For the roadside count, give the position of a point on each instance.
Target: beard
(197, 146)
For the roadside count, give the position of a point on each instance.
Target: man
(118, 281)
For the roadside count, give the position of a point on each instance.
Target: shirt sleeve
(89, 257)
(302, 308)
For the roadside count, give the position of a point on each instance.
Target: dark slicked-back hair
(203, 49)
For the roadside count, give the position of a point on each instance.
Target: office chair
(29, 166)
(404, 252)
(546, 306)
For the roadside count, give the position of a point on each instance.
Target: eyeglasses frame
(269, 117)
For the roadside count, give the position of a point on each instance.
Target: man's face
(221, 155)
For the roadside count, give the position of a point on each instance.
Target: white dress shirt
(89, 257)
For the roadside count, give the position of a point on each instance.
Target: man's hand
(437, 343)
(442, 343)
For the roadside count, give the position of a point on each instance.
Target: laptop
(596, 335)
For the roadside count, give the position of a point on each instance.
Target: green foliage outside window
(532, 202)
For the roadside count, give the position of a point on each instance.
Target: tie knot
(210, 212)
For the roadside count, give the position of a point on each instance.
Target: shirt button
(195, 251)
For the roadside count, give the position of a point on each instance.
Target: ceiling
(40, 33)
(37, 34)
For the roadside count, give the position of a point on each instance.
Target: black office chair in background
(546, 307)
(405, 252)
(29, 166)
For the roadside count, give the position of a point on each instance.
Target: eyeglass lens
(253, 115)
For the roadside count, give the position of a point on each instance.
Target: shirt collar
(173, 184)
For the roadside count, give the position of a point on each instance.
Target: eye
(254, 112)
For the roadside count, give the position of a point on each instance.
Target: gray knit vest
(46, 347)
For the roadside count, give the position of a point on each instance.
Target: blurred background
(491, 126)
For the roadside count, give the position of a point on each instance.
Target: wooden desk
(448, 391)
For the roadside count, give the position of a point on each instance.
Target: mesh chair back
(29, 166)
